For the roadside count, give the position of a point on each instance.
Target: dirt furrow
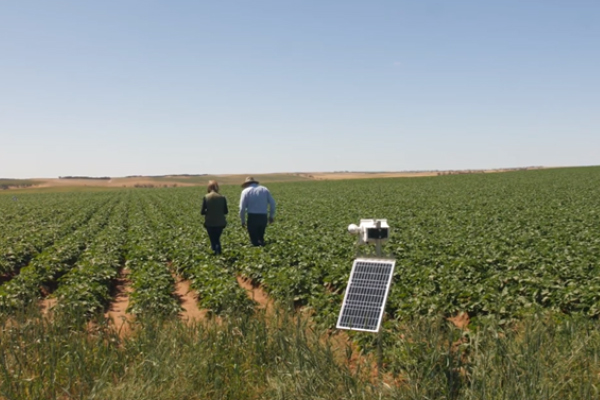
(257, 294)
(117, 311)
(189, 302)
(47, 304)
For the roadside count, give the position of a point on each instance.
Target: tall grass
(240, 358)
(540, 357)
(279, 357)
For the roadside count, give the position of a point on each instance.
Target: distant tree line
(151, 186)
(85, 177)
(481, 171)
(15, 183)
(162, 176)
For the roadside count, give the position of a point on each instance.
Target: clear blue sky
(159, 87)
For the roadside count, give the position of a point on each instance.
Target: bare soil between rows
(117, 310)
(189, 302)
(257, 294)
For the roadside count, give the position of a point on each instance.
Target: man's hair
(213, 185)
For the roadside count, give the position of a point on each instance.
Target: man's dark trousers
(257, 224)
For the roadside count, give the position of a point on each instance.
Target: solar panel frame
(366, 294)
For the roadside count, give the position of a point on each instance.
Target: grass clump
(547, 356)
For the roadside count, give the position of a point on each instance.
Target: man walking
(256, 200)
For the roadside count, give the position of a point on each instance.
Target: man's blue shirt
(256, 199)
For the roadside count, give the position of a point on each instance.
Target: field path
(189, 302)
(117, 311)
(257, 294)
(47, 304)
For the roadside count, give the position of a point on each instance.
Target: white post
(378, 242)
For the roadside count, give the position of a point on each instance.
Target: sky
(132, 87)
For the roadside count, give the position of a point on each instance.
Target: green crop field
(509, 249)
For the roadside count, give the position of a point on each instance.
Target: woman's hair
(213, 185)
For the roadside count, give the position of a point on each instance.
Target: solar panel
(366, 294)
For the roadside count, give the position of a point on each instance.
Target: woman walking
(214, 209)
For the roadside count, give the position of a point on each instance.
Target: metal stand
(378, 247)
(379, 253)
(379, 354)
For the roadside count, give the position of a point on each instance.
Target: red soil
(117, 311)
(189, 302)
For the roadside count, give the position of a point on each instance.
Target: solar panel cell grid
(366, 294)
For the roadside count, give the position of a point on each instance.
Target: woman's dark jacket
(214, 208)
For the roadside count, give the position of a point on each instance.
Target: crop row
(86, 288)
(30, 226)
(151, 280)
(40, 275)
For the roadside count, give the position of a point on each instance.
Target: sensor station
(370, 280)
(375, 231)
